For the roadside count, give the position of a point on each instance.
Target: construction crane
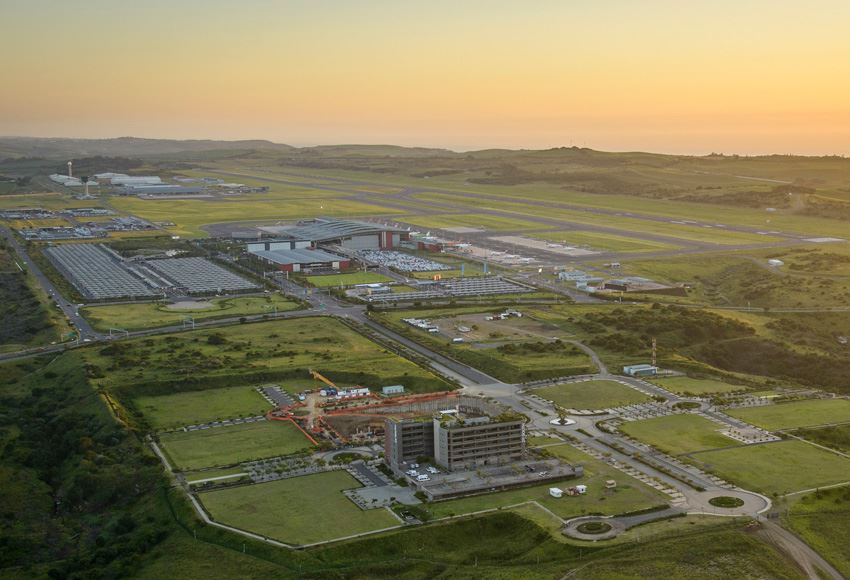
(319, 377)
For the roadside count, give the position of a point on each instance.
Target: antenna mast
(654, 352)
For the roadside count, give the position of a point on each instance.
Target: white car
(423, 478)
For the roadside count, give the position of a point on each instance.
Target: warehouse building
(353, 234)
(160, 189)
(135, 180)
(301, 259)
(273, 245)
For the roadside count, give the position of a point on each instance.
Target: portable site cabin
(642, 370)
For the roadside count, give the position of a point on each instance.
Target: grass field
(629, 495)
(190, 215)
(601, 241)
(347, 279)
(298, 510)
(696, 387)
(195, 407)
(821, 519)
(676, 434)
(190, 450)
(154, 314)
(592, 395)
(796, 414)
(783, 467)
(254, 353)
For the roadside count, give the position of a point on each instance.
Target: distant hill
(60, 148)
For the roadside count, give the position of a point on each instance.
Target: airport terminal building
(351, 234)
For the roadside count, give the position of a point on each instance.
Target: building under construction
(469, 433)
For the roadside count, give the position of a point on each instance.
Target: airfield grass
(484, 222)
(713, 235)
(189, 215)
(297, 510)
(196, 407)
(602, 241)
(221, 446)
(350, 279)
(783, 467)
(591, 395)
(795, 414)
(629, 495)
(268, 351)
(678, 434)
(821, 519)
(144, 315)
(696, 387)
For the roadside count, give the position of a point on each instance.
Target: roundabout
(725, 501)
(593, 528)
(562, 422)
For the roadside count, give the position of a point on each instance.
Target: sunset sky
(745, 76)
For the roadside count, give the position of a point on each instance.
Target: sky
(699, 76)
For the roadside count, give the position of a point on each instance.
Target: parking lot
(457, 288)
(400, 261)
(494, 478)
(99, 273)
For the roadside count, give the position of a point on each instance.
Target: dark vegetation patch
(690, 339)
(836, 437)
(76, 487)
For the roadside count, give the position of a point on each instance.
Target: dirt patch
(191, 305)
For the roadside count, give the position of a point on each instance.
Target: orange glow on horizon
(657, 75)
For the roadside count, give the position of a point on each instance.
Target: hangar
(301, 259)
(353, 234)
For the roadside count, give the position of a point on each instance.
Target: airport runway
(403, 200)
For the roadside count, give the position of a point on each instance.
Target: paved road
(68, 309)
